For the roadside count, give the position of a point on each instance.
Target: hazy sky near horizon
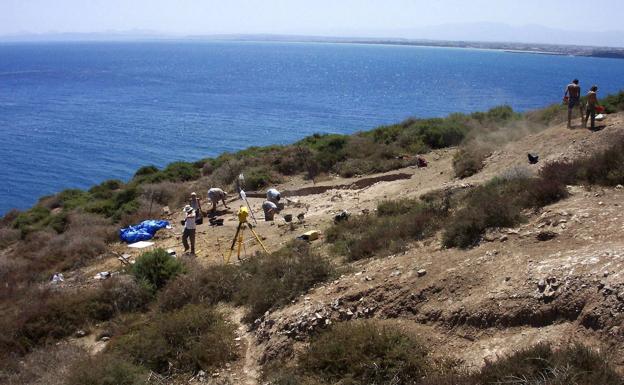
(319, 17)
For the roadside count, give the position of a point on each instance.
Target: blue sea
(76, 114)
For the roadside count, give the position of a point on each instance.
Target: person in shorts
(573, 97)
(592, 103)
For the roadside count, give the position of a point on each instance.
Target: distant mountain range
(528, 38)
(481, 32)
(499, 32)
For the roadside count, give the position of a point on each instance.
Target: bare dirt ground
(510, 292)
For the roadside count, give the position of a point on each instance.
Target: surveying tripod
(243, 212)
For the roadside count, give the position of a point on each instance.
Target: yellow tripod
(243, 212)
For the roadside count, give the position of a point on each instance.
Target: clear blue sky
(320, 17)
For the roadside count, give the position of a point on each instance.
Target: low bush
(32, 219)
(360, 353)
(498, 203)
(106, 369)
(604, 168)
(200, 286)
(165, 194)
(181, 172)
(276, 279)
(388, 232)
(189, 339)
(8, 236)
(45, 366)
(85, 237)
(46, 316)
(542, 364)
(613, 103)
(260, 177)
(155, 268)
(469, 160)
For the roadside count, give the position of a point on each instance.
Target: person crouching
(269, 209)
(215, 195)
(189, 229)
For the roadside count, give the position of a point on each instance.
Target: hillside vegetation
(173, 317)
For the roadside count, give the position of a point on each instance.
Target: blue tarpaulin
(141, 232)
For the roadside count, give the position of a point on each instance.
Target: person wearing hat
(195, 203)
(189, 229)
(592, 103)
(215, 195)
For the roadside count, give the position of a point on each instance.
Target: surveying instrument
(243, 213)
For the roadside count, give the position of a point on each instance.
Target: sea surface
(76, 114)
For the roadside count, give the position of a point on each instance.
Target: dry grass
(39, 317)
(49, 365)
(470, 159)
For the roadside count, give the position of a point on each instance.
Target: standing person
(189, 229)
(573, 95)
(215, 195)
(195, 203)
(592, 103)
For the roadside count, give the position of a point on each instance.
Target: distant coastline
(511, 47)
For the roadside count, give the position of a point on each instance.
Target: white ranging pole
(244, 197)
(241, 192)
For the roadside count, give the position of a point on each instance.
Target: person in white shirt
(189, 229)
(269, 209)
(215, 195)
(195, 203)
(273, 195)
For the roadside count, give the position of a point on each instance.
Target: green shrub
(105, 189)
(498, 203)
(293, 159)
(329, 149)
(192, 338)
(274, 280)
(257, 178)
(556, 113)
(72, 198)
(105, 369)
(541, 364)
(145, 171)
(200, 286)
(181, 172)
(27, 220)
(363, 353)
(48, 316)
(613, 103)
(388, 232)
(155, 268)
(604, 168)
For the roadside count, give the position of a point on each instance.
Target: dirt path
(249, 372)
